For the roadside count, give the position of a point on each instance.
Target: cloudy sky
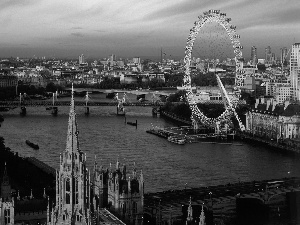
(127, 28)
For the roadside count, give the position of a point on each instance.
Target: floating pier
(183, 133)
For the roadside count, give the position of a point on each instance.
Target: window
(76, 191)
(124, 208)
(6, 216)
(68, 185)
(134, 207)
(67, 198)
(68, 191)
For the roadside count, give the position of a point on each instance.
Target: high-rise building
(295, 70)
(283, 55)
(136, 60)
(81, 59)
(253, 55)
(268, 54)
(273, 58)
(112, 58)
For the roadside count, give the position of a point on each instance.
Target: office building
(253, 55)
(81, 59)
(295, 70)
(268, 54)
(283, 55)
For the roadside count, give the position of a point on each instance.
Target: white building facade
(295, 70)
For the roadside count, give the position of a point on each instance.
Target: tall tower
(6, 202)
(268, 54)
(72, 181)
(253, 55)
(189, 219)
(81, 59)
(295, 70)
(126, 195)
(283, 55)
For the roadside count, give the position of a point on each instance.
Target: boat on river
(176, 140)
(132, 123)
(32, 145)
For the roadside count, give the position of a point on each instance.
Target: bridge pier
(23, 111)
(54, 110)
(87, 110)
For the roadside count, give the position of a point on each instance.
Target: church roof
(108, 218)
(291, 110)
(279, 109)
(261, 107)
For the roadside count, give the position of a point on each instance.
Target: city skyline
(136, 28)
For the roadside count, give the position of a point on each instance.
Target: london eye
(198, 116)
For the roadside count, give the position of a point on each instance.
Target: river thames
(165, 165)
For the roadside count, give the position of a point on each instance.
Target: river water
(165, 165)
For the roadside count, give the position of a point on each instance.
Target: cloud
(5, 4)
(77, 34)
(100, 31)
(77, 28)
(189, 8)
(137, 23)
(177, 9)
(256, 13)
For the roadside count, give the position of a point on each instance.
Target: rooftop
(108, 218)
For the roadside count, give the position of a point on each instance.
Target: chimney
(268, 104)
(256, 102)
(274, 105)
(286, 103)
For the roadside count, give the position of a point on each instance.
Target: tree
(51, 87)
(155, 83)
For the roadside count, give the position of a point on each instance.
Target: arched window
(6, 216)
(68, 189)
(124, 208)
(134, 207)
(76, 191)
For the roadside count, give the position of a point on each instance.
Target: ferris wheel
(230, 104)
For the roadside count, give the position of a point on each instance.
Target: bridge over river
(41, 103)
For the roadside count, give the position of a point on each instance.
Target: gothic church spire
(72, 136)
